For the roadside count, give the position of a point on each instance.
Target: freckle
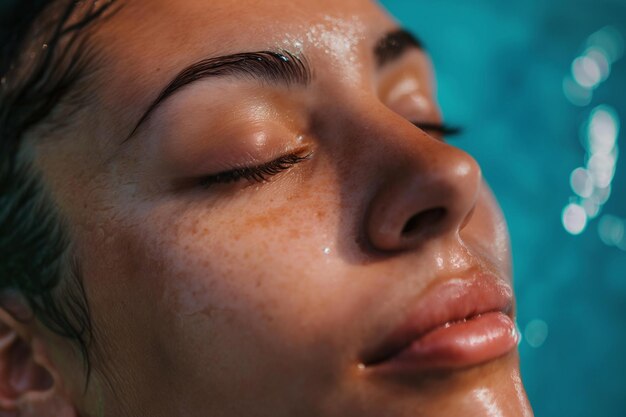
(259, 221)
(209, 311)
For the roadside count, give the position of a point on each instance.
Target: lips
(457, 324)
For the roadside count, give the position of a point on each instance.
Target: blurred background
(540, 89)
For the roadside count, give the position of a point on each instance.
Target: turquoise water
(533, 113)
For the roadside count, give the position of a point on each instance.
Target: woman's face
(278, 230)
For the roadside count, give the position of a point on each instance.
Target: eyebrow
(266, 66)
(395, 44)
(274, 67)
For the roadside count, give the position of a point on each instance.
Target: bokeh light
(611, 231)
(610, 40)
(603, 130)
(582, 182)
(592, 184)
(574, 219)
(536, 333)
(575, 93)
(586, 72)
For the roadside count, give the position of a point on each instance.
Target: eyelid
(406, 87)
(406, 79)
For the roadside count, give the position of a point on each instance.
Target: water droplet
(327, 251)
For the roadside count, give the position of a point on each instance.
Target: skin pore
(214, 294)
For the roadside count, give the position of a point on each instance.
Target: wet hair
(43, 54)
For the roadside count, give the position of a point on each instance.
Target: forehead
(245, 20)
(146, 33)
(145, 43)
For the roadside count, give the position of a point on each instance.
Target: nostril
(424, 220)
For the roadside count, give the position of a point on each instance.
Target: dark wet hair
(42, 56)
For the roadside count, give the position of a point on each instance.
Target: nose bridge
(382, 137)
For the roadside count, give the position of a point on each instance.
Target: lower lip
(457, 345)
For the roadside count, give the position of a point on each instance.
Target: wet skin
(253, 298)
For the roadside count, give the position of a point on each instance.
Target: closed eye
(256, 174)
(440, 129)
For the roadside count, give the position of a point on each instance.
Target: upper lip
(452, 300)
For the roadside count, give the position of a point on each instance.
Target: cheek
(252, 279)
(234, 262)
(193, 297)
(254, 291)
(258, 267)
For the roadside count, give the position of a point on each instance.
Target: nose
(429, 190)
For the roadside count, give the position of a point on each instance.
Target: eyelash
(262, 173)
(257, 174)
(442, 129)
